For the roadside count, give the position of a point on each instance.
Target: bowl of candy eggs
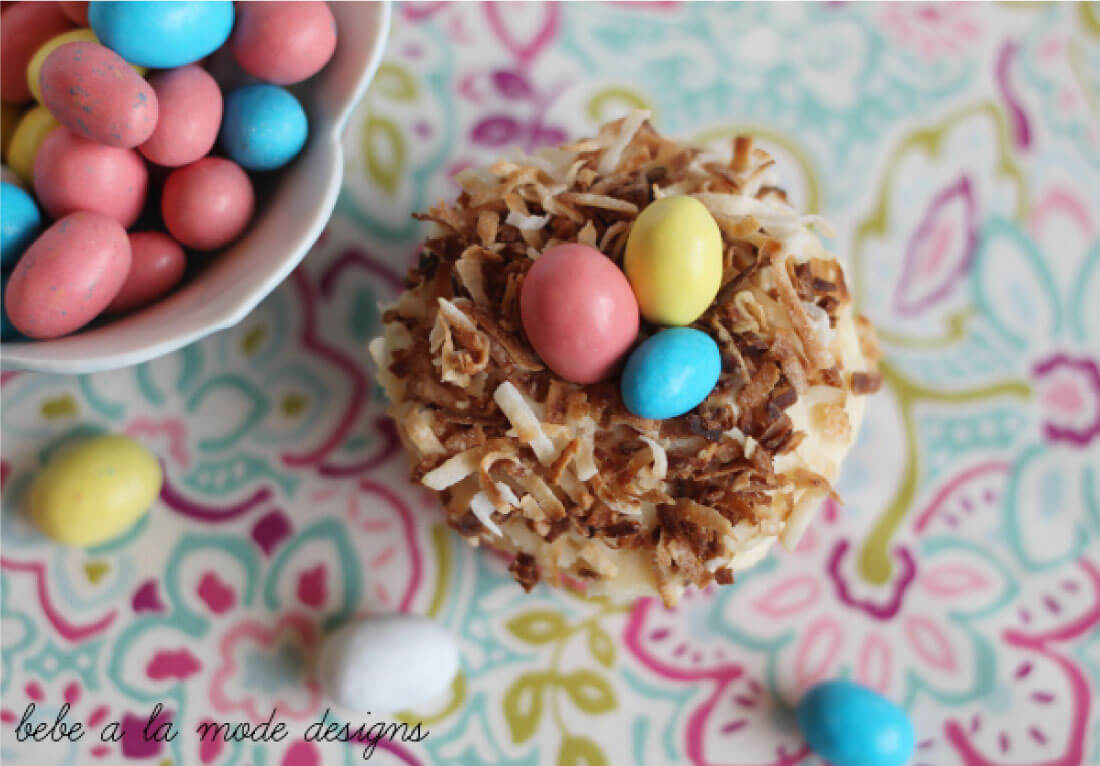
(166, 165)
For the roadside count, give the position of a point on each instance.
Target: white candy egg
(388, 663)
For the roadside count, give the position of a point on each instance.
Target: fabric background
(956, 150)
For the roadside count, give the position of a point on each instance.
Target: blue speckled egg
(160, 34)
(264, 127)
(20, 223)
(670, 373)
(850, 725)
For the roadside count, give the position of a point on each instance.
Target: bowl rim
(21, 355)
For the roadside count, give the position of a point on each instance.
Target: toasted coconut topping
(562, 474)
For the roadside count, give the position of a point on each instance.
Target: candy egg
(27, 139)
(94, 491)
(162, 35)
(674, 260)
(850, 725)
(207, 205)
(95, 94)
(20, 223)
(9, 118)
(265, 127)
(670, 373)
(190, 113)
(157, 264)
(578, 312)
(7, 329)
(68, 275)
(77, 12)
(72, 173)
(26, 26)
(34, 67)
(283, 43)
(384, 664)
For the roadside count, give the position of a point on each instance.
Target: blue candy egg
(670, 373)
(264, 127)
(20, 223)
(850, 725)
(160, 34)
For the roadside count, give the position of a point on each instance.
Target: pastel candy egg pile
(86, 147)
(389, 663)
(94, 491)
(850, 725)
(580, 312)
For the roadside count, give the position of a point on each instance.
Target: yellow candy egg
(674, 260)
(94, 491)
(11, 114)
(29, 135)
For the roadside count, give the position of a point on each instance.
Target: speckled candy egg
(95, 94)
(850, 725)
(283, 43)
(264, 128)
(25, 28)
(578, 312)
(157, 263)
(674, 260)
(34, 67)
(68, 275)
(190, 113)
(207, 205)
(670, 373)
(94, 491)
(72, 173)
(389, 663)
(20, 223)
(160, 34)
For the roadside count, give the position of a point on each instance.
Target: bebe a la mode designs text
(159, 727)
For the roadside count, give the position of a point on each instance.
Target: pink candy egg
(190, 113)
(579, 312)
(97, 95)
(207, 205)
(72, 173)
(26, 26)
(157, 263)
(284, 42)
(76, 12)
(68, 275)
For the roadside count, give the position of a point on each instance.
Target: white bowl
(287, 224)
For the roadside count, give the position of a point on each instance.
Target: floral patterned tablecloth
(957, 151)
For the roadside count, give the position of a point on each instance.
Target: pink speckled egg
(578, 312)
(72, 173)
(190, 105)
(25, 28)
(284, 42)
(207, 205)
(157, 263)
(68, 275)
(97, 95)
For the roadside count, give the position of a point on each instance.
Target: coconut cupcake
(562, 473)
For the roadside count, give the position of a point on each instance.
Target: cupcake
(577, 447)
